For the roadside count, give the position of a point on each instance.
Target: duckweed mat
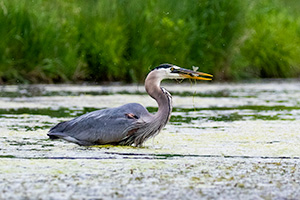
(223, 141)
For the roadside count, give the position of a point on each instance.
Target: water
(223, 141)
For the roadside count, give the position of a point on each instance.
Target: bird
(130, 124)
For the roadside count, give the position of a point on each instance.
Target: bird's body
(99, 127)
(125, 125)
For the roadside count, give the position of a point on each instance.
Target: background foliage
(121, 40)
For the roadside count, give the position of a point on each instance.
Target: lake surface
(224, 141)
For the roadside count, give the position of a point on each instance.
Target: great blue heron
(128, 124)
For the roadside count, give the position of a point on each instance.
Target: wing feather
(101, 126)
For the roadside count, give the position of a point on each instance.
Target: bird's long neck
(162, 97)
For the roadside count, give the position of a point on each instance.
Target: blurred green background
(121, 40)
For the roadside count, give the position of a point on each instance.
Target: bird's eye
(172, 69)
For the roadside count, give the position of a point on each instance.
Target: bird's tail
(52, 137)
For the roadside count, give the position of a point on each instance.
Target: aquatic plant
(112, 40)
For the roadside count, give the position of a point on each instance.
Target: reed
(120, 40)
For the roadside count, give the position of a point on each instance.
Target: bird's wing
(101, 126)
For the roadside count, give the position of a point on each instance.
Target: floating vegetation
(221, 93)
(60, 112)
(39, 92)
(235, 140)
(230, 117)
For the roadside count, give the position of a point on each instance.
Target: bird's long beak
(186, 73)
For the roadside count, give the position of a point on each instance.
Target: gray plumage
(128, 124)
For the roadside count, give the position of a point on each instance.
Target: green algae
(29, 128)
(229, 117)
(245, 107)
(37, 91)
(220, 150)
(7, 156)
(180, 115)
(71, 112)
(65, 93)
(61, 112)
(52, 112)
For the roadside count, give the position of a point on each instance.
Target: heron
(130, 124)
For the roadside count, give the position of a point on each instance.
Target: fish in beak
(186, 73)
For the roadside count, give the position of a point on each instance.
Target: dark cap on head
(165, 65)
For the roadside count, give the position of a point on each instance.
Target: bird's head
(168, 71)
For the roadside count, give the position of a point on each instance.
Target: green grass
(121, 40)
